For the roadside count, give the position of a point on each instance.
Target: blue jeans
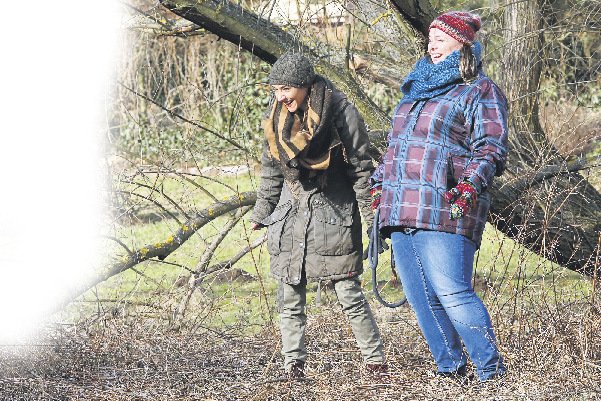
(435, 269)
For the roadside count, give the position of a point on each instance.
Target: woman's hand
(257, 226)
(462, 198)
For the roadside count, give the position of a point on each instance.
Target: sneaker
(296, 370)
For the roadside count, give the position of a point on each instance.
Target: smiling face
(293, 98)
(440, 45)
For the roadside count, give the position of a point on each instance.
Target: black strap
(375, 243)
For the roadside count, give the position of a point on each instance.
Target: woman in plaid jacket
(448, 141)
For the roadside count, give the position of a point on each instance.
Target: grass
(506, 274)
(123, 343)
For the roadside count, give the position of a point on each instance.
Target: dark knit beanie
(292, 69)
(460, 25)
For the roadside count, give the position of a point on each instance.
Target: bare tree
(543, 203)
(559, 216)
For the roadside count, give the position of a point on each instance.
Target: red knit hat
(459, 25)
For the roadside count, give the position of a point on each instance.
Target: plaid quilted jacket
(433, 144)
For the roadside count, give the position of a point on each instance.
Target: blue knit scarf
(428, 80)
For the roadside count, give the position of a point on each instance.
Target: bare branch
(268, 41)
(200, 275)
(161, 192)
(117, 240)
(229, 263)
(208, 253)
(419, 13)
(164, 248)
(163, 208)
(174, 114)
(552, 171)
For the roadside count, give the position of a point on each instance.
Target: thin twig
(174, 114)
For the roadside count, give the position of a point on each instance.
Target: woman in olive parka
(314, 179)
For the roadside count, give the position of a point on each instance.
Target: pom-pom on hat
(459, 25)
(292, 69)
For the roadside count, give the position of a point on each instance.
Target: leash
(375, 243)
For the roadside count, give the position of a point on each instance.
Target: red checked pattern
(460, 135)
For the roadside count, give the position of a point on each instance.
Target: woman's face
(440, 45)
(293, 98)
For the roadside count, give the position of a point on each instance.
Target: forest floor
(551, 357)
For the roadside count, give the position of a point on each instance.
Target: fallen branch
(268, 41)
(229, 263)
(164, 248)
(551, 171)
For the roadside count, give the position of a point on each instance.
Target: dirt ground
(132, 358)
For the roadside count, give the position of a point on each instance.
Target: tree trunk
(557, 217)
(419, 13)
(522, 65)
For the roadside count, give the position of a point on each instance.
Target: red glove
(376, 194)
(462, 198)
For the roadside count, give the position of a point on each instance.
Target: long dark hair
(468, 66)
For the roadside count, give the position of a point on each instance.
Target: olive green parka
(315, 225)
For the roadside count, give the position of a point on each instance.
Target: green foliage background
(222, 88)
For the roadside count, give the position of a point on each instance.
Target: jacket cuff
(375, 184)
(260, 213)
(477, 182)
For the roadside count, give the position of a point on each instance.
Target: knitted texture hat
(459, 25)
(292, 69)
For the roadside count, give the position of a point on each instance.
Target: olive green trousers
(292, 300)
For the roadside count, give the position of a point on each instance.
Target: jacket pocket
(332, 228)
(275, 225)
(455, 166)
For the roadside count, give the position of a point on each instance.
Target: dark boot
(296, 370)
(377, 372)
(460, 375)
(376, 368)
(461, 372)
(496, 378)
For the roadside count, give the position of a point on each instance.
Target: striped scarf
(298, 148)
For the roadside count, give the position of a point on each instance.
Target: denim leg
(440, 334)
(447, 260)
(357, 309)
(291, 304)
